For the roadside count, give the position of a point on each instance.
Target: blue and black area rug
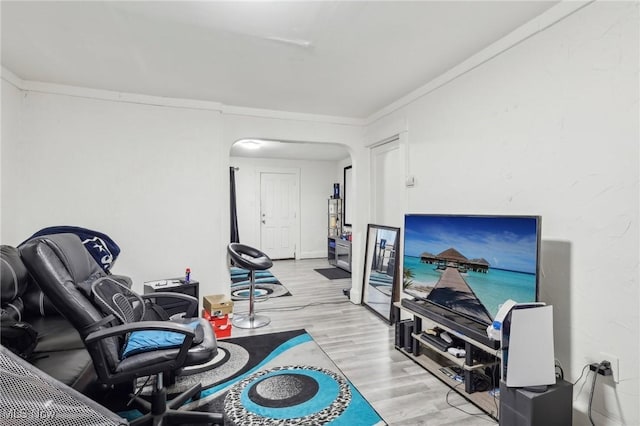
(278, 379)
(267, 285)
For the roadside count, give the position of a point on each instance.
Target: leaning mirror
(381, 270)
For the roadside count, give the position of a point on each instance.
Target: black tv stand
(458, 323)
(480, 365)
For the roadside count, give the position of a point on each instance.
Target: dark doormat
(334, 273)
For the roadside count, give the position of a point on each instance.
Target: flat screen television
(470, 264)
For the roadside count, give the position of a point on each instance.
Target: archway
(314, 167)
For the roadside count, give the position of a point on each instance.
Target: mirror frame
(371, 250)
(347, 180)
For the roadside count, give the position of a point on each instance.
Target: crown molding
(295, 116)
(108, 95)
(11, 78)
(537, 25)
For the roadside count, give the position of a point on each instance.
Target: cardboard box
(219, 320)
(222, 331)
(217, 305)
(221, 325)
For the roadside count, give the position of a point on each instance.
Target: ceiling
(346, 58)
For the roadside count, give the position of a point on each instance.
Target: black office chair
(107, 316)
(254, 260)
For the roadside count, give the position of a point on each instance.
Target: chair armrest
(121, 330)
(193, 302)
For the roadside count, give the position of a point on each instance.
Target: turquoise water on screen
(492, 288)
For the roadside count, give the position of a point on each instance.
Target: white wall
(316, 185)
(151, 173)
(551, 127)
(11, 116)
(150, 177)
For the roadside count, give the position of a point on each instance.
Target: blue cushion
(151, 340)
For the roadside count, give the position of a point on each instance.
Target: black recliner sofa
(59, 350)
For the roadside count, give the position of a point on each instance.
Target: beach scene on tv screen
(471, 264)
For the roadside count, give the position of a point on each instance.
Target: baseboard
(313, 254)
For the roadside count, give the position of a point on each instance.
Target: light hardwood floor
(361, 345)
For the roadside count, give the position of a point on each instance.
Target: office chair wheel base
(246, 321)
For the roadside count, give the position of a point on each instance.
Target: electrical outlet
(615, 365)
(603, 368)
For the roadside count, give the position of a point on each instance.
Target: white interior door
(278, 214)
(387, 187)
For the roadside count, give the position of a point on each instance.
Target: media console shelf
(339, 253)
(479, 367)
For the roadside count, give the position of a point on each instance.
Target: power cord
(297, 308)
(593, 388)
(581, 374)
(560, 374)
(138, 392)
(479, 415)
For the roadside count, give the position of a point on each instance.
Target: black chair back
(114, 298)
(64, 270)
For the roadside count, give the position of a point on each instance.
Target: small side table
(173, 285)
(554, 407)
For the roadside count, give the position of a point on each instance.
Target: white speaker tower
(527, 346)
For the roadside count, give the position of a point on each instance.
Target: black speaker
(398, 335)
(404, 329)
(407, 338)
